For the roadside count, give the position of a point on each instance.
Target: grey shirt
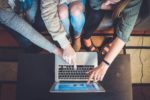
(51, 20)
(10, 19)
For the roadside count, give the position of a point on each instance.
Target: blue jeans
(77, 22)
(31, 13)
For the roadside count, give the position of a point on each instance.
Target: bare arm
(55, 28)
(123, 31)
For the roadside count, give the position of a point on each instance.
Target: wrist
(106, 62)
(55, 50)
(67, 47)
(104, 65)
(58, 51)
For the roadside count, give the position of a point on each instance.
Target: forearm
(124, 28)
(115, 49)
(13, 21)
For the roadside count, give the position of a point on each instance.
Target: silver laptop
(69, 80)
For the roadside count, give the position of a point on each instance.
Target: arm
(123, 31)
(124, 28)
(13, 21)
(55, 28)
(52, 22)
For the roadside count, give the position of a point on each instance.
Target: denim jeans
(77, 22)
(31, 13)
(93, 19)
(30, 17)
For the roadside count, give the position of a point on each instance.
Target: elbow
(123, 36)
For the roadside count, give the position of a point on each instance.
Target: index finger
(74, 62)
(90, 78)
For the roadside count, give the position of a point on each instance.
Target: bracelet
(106, 62)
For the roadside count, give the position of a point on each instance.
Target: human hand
(98, 73)
(58, 52)
(69, 55)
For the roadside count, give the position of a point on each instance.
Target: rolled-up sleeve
(127, 21)
(50, 16)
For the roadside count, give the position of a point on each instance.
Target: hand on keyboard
(98, 73)
(68, 72)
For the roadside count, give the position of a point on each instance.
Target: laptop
(69, 80)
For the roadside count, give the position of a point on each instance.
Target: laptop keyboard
(68, 72)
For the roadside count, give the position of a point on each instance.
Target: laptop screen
(75, 87)
(65, 72)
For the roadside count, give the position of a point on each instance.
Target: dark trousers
(93, 19)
